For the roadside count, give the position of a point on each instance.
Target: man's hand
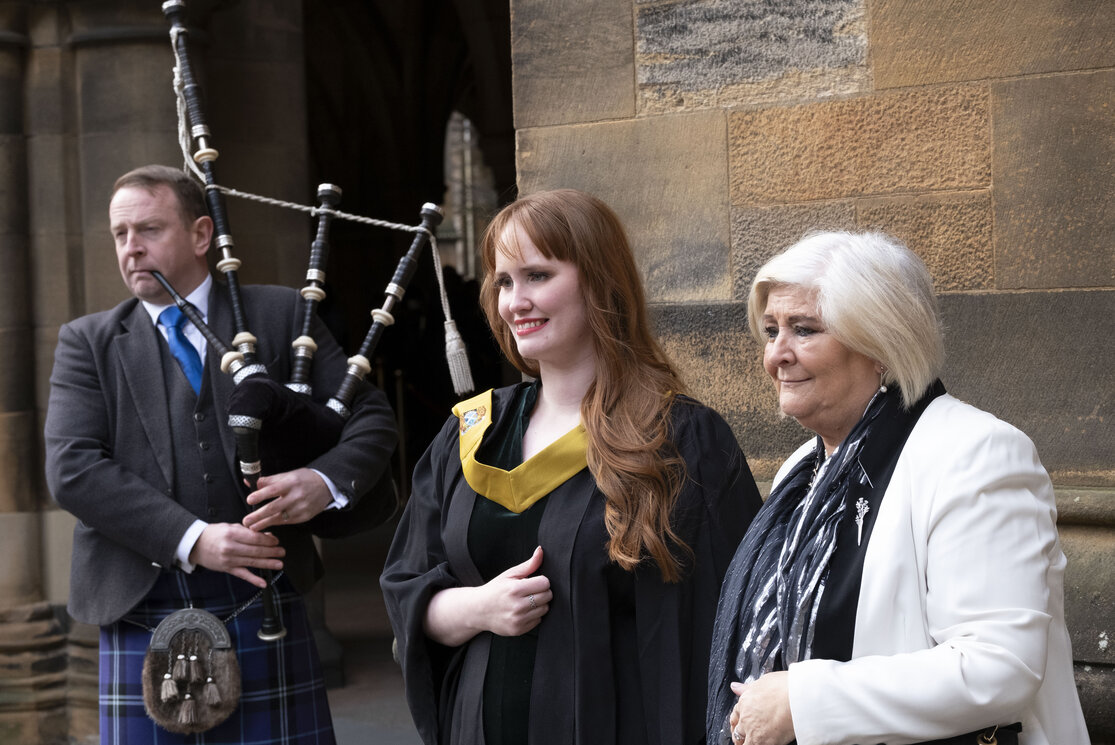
(226, 547)
(287, 499)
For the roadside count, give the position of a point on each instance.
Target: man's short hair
(191, 198)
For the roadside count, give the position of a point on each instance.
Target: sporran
(191, 678)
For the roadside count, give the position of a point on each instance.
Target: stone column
(32, 645)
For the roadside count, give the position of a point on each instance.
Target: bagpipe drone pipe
(279, 426)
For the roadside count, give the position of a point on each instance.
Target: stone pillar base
(33, 677)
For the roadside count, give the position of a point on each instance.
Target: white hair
(874, 296)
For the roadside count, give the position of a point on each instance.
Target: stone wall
(979, 133)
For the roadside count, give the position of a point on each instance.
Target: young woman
(555, 575)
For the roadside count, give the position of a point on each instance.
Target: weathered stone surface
(275, 30)
(126, 88)
(20, 547)
(13, 184)
(11, 88)
(921, 140)
(950, 232)
(1054, 169)
(571, 62)
(58, 532)
(19, 460)
(46, 80)
(760, 233)
(1088, 539)
(15, 370)
(932, 42)
(1095, 684)
(33, 660)
(1089, 589)
(91, 17)
(664, 176)
(56, 292)
(716, 53)
(722, 365)
(15, 303)
(51, 195)
(1010, 354)
(46, 339)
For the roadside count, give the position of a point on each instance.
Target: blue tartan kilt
(283, 699)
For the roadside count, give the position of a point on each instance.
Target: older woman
(903, 582)
(555, 574)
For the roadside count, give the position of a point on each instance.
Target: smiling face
(540, 300)
(149, 233)
(821, 383)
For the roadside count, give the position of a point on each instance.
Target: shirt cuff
(186, 545)
(340, 501)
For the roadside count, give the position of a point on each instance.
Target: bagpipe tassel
(457, 356)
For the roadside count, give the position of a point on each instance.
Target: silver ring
(737, 736)
(533, 604)
(286, 517)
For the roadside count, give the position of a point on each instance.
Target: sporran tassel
(181, 669)
(210, 695)
(188, 713)
(169, 691)
(196, 673)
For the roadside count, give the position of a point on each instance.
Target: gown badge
(472, 417)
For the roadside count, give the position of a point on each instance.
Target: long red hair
(626, 410)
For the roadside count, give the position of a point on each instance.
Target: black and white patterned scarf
(773, 588)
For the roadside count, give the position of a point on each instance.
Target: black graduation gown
(574, 699)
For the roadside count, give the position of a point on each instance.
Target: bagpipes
(280, 427)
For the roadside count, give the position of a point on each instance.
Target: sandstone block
(11, 88)
(15, 292)
(914, 141)
(1010, 355)
(571, 62)
(1054, 167)
(950, 232)
(45, 81)
(20, 547)
(760, 233)
(920, 43)
(13, 184)
(19, 460)
(126, 87)
(664, 177)
(718, 53)
(15, 372)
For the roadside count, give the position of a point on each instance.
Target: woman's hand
(509, 605)
(762, 714)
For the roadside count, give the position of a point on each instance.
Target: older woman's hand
(762, 714)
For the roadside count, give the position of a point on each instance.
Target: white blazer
(960, 622)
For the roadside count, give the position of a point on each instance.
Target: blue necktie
(183, 351)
